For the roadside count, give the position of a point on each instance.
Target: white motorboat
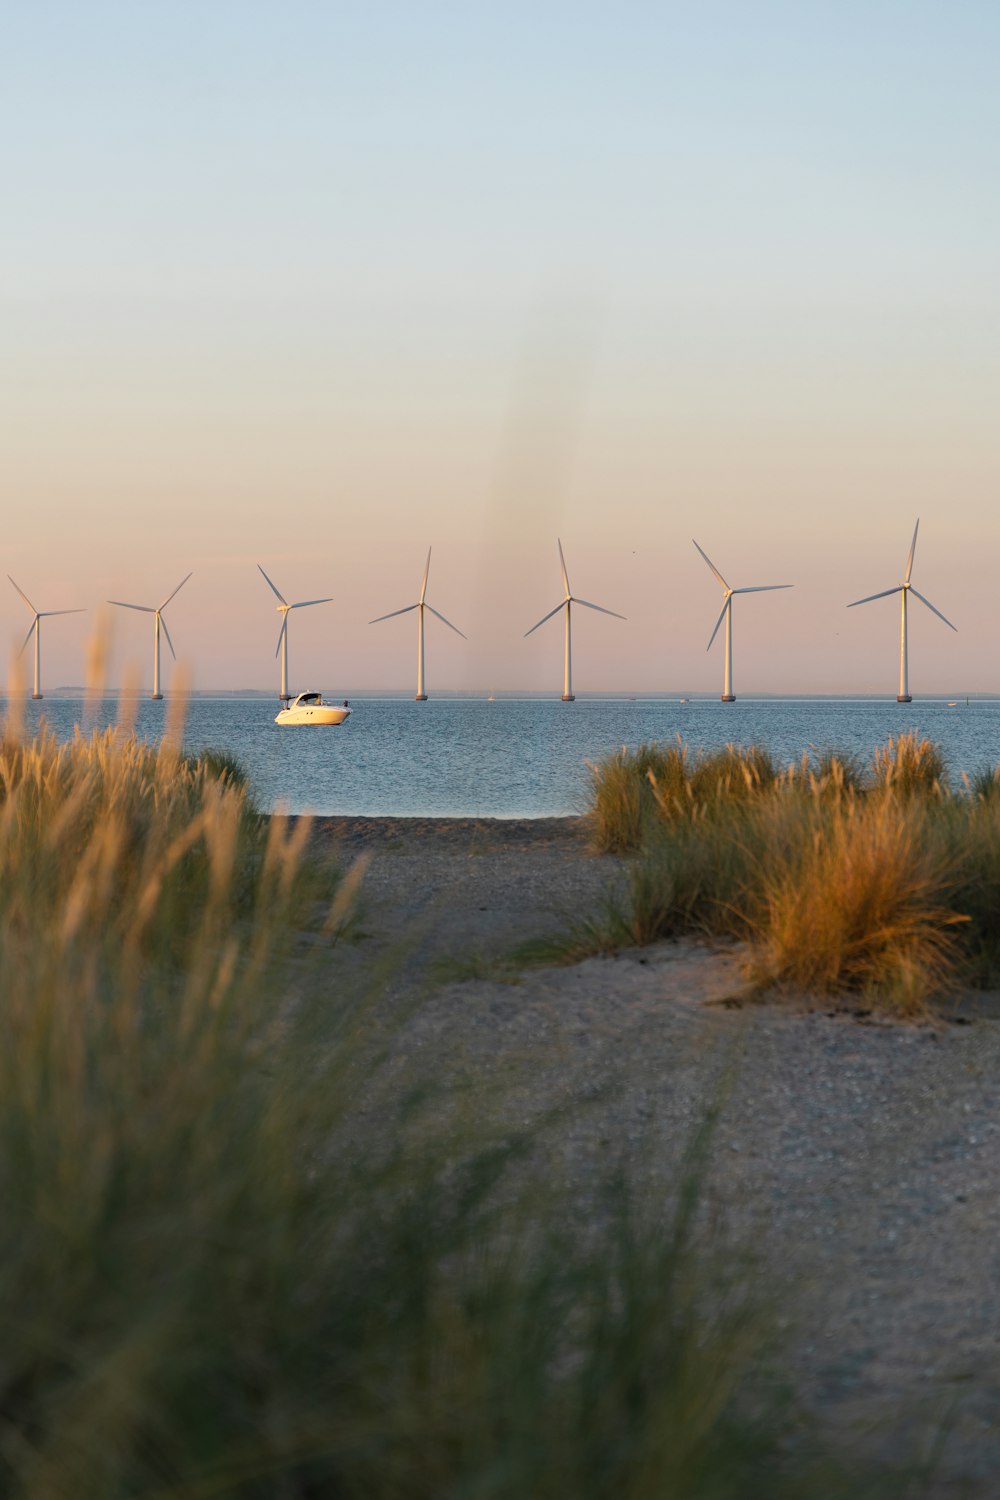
(309, 708)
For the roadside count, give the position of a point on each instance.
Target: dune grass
(860, 906)
(634, 790)
(884, 882)
(241, 1255)
(909, 767)
(984, 785)
(624, 806)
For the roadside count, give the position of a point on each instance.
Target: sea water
(518, 757)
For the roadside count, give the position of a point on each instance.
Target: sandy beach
(465, 891)
(856, 1158)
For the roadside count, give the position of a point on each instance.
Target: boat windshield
(308, 698)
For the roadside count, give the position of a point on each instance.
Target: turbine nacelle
(570, 598)
(159, 623)
(907, 587)
(283, 608)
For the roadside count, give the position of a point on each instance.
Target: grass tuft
(887, 884)
(984, 785)
(908, 766)
(835, 772)
(628, 787)
(861, 906)
(734, 774)
(219, 765)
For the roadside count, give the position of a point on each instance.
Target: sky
(321, 285)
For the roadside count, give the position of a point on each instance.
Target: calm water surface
(521, 758)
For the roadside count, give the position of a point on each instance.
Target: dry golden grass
(634, 790)
(858, 903)
(886, 884)
(626, 789)
(908, 766)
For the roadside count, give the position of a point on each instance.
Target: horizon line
(78, 692)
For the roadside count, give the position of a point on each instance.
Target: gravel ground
(858, 1159)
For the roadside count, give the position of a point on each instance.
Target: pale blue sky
(321, 284)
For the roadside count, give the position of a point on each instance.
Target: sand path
(859, 1160)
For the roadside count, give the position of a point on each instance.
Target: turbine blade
(559, 606)
(393, 613)
(427, 569)
(31, 631)
(166, 632)
(764, 588)
(24, 597)
(448, 623)
(930, 606)
(176, 591)
(909, 560)
(711, 564)
(562, 564)
(271, 586)
(884, 595)
(599, 607)
(305, 603)
(281, 633)
(718, 621)
(146, 609)
(46, 614)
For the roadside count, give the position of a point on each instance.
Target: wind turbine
(284, 609)
(158, 624)
(420, 606)
(728, 696)
(567, 604)
(904, 588)
(36, 630)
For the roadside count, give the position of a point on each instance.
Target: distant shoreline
(690, 698)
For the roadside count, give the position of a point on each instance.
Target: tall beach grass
(883, 881)
(240, 1256)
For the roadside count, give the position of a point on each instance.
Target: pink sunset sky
(320, 286)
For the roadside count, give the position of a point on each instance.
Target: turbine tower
(904, 588)
(158, 624)
(567, 604)
(285, 609)
(36, 631)
(728, 696)
(420, 606)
